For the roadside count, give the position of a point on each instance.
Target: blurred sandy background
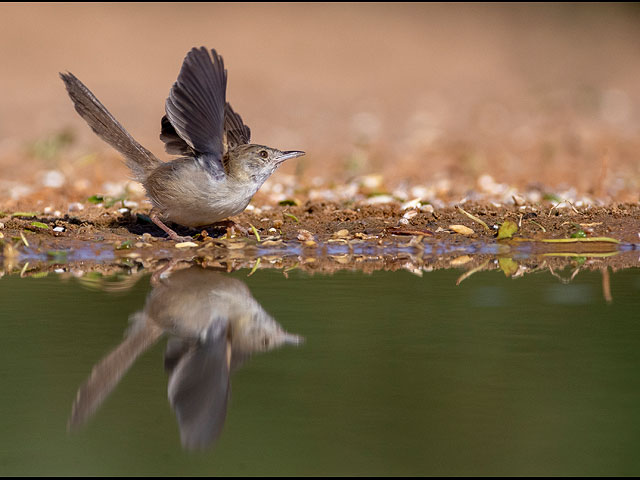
(529, 94)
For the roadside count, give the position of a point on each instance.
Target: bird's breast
(195, 198)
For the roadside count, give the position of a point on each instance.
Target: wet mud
(327, 237)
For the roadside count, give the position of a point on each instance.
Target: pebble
(341, 233)
(371, 181)
(135, 188)
(186, 245)
(58, 229)
(379, 199)
(461, 229)
(53, 179)
(411, 204)
(305, 235)
(427, 208)
(75, 207)
(271, 243)
(410, 214)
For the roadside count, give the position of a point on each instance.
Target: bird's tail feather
(108, 372)
(139, 160)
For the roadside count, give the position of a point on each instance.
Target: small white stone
(305, 235)
(420, 191)
(75, 207)
(372, 181)
(426, 208)
(47, 210)
(57, 213)
(486, 183)
(411, 204)
(59, 270)
(58, 229)
(185, 245)
(113, 189)
(53, 179)
(135, 187)
(123, 210)
(379, 199)
(400, 194)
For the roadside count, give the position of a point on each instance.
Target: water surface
(397, 375)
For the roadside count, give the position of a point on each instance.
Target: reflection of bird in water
(215, 324)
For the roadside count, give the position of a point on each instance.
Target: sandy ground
(422, 93)
(511, 111)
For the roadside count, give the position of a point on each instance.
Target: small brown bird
(219, 171)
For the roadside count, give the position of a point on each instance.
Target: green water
(398, 375)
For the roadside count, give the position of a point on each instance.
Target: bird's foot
(172, 235)
(179, 238)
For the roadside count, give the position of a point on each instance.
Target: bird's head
(256, 163)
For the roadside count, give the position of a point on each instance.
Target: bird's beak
(288, 155)
(292, 339)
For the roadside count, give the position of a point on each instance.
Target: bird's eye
(264, 154)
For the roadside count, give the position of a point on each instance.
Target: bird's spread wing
(199, 386)
(235, 131)
(173, 143)
(196, 108)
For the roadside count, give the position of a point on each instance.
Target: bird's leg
(156, 277)
(172, 235)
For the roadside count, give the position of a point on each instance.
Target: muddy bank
(327, 237)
